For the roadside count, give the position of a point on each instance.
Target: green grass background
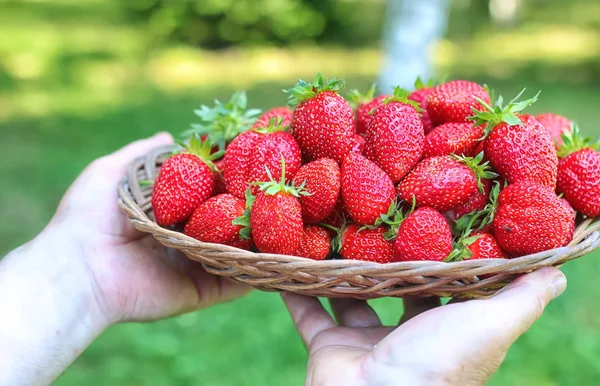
(67, 98)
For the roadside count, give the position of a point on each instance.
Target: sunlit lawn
(52, 124)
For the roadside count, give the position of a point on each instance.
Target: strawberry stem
(401, 95)
(497, 114)
(481, 170)
(304, 90)
(273, 187)
(244, 219)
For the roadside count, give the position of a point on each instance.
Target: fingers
(414, 306)
(354, 313)
(308, 315)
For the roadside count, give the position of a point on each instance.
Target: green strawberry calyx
(401, 95)
(336, 242)
(275, 124)
(431, 82)
(273, 187)
(492, 116)
(356, 98)
(481, 170)
(304, 90)
(393, 218)
(574, 140)
(203, 150)
(461, 249)
(244, 219)
(477, 220)
(224, 121)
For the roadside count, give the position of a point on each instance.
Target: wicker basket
(341, 278)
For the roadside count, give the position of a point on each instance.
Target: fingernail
(559, 284)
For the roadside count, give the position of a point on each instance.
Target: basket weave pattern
(340, 278)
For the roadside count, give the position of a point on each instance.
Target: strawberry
(276, 217)
(212, 222)
(183, 183)
(530, 219)
(452, 101)
(555, 124)
(366, 244)
(338, 217)
(252, 153)
(460, 138)
(364, 104)
(486, 247)
(518, 147)
(278, 113)
(223, 122)
(444, 182)
(315, 243)
(323, 121)
(321, 180)
(358, 144)
(476, 202)
(420, 95)
(395, 136)
(579, 173)
(366, 190)
(218, 177)
(423, 235)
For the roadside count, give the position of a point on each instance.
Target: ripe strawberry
(366, 244)
(530, 219)
(423, 235)
(338, 217)
(323, 121)
(486, 247)
(184, 182)
(420, 95)
(212, 222)
(267, 155)
(366, 190)
(223, 122)
(321, 180)
(555, 124)
(315, 243)
(283, 114)
(358, 145)
(218, 177)
(395, 136)
(444, 182)
(460, 138)
(452, 101)
(579, 173)
(364, 105)
(276, 217)
(252, 153)
(476, 202)
(518, 147)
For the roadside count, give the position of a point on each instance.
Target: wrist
(52, 311)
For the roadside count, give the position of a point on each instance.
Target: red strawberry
(518, 147)
(364, 104)
(460, 138)
(276, 218)
(237, 162)
(443, 182)
(476, 202)
(315, 243)
(423, 235)
(338, 217)
(223, 122)
(395, 137)
(212, 222)
(184, 182)
(323, 121)
(218, 177)
(321, 179)
(266, 158)
(486, 247)
(530, 219)
(366, 244)
(366, 190)
(579, 173)
(452, 101)
(420, 95)
(358, 145)
(555, 125)
(283, 114)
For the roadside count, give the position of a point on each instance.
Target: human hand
(461, 343)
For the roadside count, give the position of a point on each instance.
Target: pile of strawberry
(441, 173)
